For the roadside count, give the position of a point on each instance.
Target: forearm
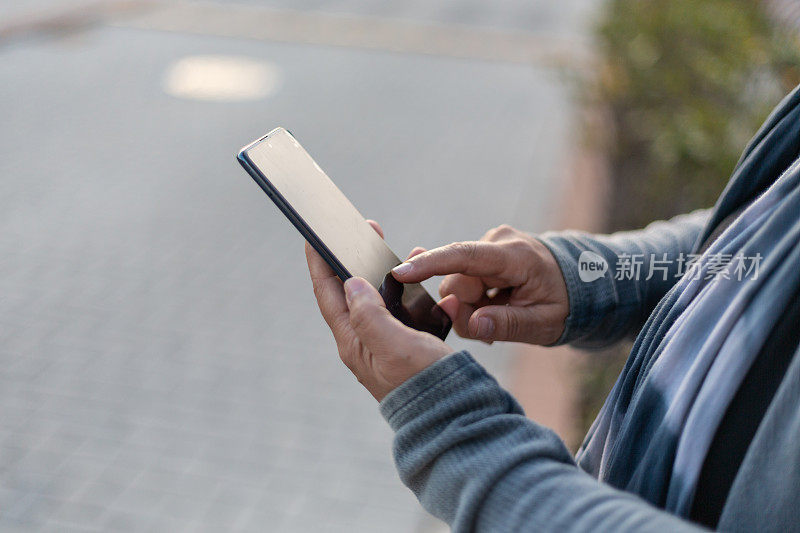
(642, 266)
(465, 448)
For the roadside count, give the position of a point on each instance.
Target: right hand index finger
(472, 258)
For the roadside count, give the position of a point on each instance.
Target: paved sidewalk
(162, 363)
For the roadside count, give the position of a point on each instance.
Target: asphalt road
(162, 363)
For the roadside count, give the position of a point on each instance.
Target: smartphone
(335, 228)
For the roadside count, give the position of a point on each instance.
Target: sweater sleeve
(641, 267)
(465, 448)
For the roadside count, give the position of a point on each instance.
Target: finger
(461, 320)
(376, 227)
(467, 288)
(507, 323)
(373, 324)
(473, 258)
(449, 304)
(328, 292)
(416, 251)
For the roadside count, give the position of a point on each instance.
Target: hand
(507, 286)
(376, 347)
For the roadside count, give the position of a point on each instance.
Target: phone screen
(332, 224)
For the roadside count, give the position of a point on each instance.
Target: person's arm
(465, 448)
(542, 298)
(463, 445)
(642, 266)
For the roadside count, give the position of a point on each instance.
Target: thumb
(371, 321)
(505, 323)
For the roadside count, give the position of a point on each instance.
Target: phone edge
(290, 213)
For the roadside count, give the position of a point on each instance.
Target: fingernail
(485, 327)
(353, 287)
(403, 268)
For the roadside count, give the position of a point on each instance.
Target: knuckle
(500, 231)
(521, 250)
(518, 246)
(505, 229)
(465, 249)
(359, 316)
(513, 327)
(519, 255)
(446, 287)
(462, 330)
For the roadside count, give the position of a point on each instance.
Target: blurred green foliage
(687, 83)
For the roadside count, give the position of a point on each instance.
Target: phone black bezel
(287, 209)
(313, 239)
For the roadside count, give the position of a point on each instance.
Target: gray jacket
(465, 448)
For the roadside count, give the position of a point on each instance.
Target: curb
(546, 381)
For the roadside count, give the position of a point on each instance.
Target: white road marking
(221, 78)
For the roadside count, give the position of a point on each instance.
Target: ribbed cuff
(424, 390)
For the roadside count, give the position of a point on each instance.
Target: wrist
(425, 387)
(415, 357)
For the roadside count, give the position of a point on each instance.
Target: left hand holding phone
(381, 351)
